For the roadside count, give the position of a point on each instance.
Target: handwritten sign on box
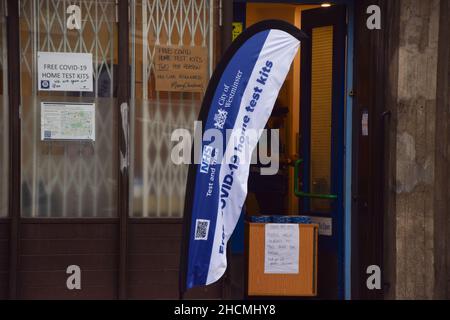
(281, 249)
(181, 68)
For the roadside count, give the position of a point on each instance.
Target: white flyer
(282, 247)
(63, 71)
(67, 121)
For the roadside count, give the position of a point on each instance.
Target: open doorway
(310, 115)
(275, 194)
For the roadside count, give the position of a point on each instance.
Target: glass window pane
(158, 185)
(4, 135)
(75, 178)
(321, 106)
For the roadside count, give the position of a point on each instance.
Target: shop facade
(113, 205)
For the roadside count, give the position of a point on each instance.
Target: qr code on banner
(201, 229)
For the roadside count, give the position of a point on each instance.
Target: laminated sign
(62, 71)
(182, 69)
(240, 98)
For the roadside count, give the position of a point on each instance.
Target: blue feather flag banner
(239, 100)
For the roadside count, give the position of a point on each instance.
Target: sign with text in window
(67, 121)
(181, 69)
(240, 98)
(63, 71)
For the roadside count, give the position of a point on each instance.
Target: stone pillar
(420, 152)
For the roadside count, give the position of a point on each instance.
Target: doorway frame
(348, 129)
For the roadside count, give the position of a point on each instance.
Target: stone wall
(420, 185)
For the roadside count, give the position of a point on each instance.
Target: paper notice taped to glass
(281, 249)
(65, 71)
(67, 121)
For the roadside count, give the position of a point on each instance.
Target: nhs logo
(207, 157)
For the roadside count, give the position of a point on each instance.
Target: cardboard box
(302, 284)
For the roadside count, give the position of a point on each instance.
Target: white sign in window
(62, 71)
(325, 225)
(67, 121)
(282, 246)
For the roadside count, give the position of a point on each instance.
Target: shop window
(72, 178)
(158, 186)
